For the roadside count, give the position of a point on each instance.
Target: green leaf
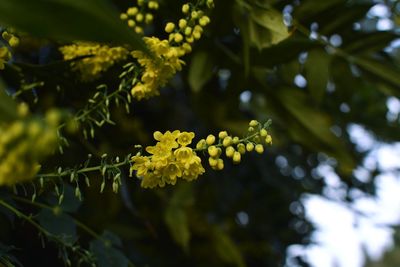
(348, 15)
(317, 73)
(368, 42)
(69, 20)
(283, 52)
(295, 102)
(176, 215)
(312, 127)
(177, 222)
(268, 27)
(8, 108)
(310, 8)
(59, 224)
(262, 26)
(226, 248)
(106, 255)
(70, 202)
(200, 70)
(385, 72)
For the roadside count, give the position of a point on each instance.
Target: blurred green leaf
(70, 202)
(8, 108)
(385, 72)
(69, 20)
(310, 8)
(176, 215)
(261, 26)
(318, 126)
(106, 255)
(369, 42)
(200, 70)
(317, 73)
(295, 101)
(268, 28)
(273, 28)
(353, 13)
(283, 52)
(177, 222)
(226, 248)
(59, 224)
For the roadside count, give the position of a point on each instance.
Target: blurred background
(325, 194)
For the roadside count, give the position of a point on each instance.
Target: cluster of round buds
(234, 147)
(5, 54)
(140, 15)
(190, 27)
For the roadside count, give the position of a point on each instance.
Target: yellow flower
(157, 70)
(141, 165)
(150, 181)
(169, 160)
(172, 171)
(193, 171)
(185, 138)
(168, 138)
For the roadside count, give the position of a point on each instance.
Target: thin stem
(25, 217)
(84, 170)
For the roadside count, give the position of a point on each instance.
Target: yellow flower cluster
(23, 144)
(234, 146)
(137, 16)
(157, 70)
(5, 54)
(99, 58)
(171, 158)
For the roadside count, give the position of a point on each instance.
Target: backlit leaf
(200, 70)
(317, 73)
